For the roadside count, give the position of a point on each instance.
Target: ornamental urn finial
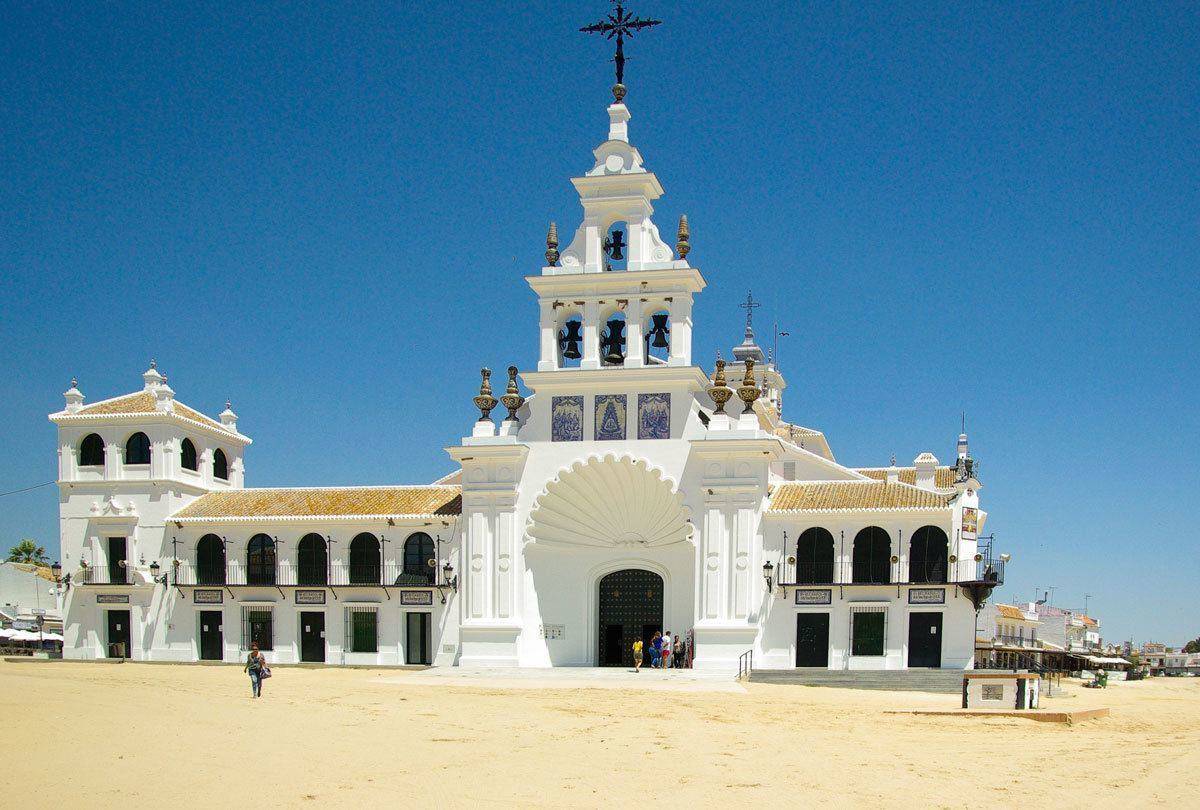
(485, 401)
(512, 398)
(682, 245)
(552, 245)
(748, 391)
(719, 392)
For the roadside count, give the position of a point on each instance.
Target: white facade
(616, 499)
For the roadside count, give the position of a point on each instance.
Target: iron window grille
(868, 630)
(258, 625)
(362, 629)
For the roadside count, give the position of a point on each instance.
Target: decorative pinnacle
(512, 398)
(552, 245)
(748, 391)
(153, 363)
(683, 246)
(485, 401)
(74, 383)
(719, 392)
(229, 405)
(619, 24)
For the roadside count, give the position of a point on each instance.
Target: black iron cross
(620, 24)
(749, 306)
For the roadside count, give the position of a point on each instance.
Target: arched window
(210, 561)
(419, 560)
(927, 555)
(187, 456)
(616, 247)
(260, 560)
(657, 337)
(312, 559)
(364, 560)
(91, 451)
(872, 552)
(814, 557)
(220, 465)
(137, 449)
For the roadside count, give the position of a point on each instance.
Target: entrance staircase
(947, 681)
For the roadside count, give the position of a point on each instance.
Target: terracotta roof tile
(325, 502)
(1010, 611)
(143, 402)
(852, 495)
(943, 477)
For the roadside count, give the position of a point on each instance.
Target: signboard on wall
(313, 597)
(927, 596)
(970, 522)
(554, 630)
(824, 596)
(112, 599)
(416, 597)
(208, 596)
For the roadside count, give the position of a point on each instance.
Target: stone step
(947, 681)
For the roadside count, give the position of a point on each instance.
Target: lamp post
(769, 574)
(155, 568)
(449, 581)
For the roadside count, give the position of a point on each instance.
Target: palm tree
(27, 551)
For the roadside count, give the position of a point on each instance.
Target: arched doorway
(631, 607)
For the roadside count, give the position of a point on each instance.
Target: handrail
(745, 664)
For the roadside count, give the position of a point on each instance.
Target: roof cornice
(63, 418)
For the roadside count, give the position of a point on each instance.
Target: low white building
(627, 490)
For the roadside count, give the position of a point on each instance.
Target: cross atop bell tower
(618, 296)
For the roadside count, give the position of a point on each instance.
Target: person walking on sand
(656, 650)
(666, 650)
(637, 655)
(256, 664)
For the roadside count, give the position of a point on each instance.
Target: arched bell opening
(616, 246)
(570, 340)
(612, 339)
(657, 336)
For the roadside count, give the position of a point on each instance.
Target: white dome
(607, 502)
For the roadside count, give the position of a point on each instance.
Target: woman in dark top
(256, 662)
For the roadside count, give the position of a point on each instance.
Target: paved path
(673, 680)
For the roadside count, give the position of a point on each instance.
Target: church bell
(613, 342)
(659, 331)
(569, 340)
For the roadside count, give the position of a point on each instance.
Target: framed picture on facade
(654, 416)
(970, 523)
(610, 417)
(566, 419)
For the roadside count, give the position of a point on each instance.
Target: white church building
(617, 489)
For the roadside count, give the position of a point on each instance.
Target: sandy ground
(189, 736)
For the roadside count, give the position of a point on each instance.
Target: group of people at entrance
(664, 652)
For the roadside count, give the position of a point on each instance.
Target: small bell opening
(570, 341)
(658, 337)
(616, 247)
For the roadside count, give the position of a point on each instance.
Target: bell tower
(617, 296)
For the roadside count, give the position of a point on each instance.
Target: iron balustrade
(288, 574)
(117, 572)
(793, 573)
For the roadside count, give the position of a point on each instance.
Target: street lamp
(155, 568)
(769, 574)
(449, 580)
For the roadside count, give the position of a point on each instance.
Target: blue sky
(324, 212)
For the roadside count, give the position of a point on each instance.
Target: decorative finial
(74, 383)
(719, 392)
(893, 459)
(153, 363)
(619, 24)
(485, 401)
(552, 245)
(748, 391)
(512, 398)
(683, 246)
(229, 405)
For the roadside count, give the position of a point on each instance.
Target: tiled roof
(334, 502)
(848, 495)
(143, 402)
(943, 477)
(42, 571)
(1010, 612)
(1089, 621)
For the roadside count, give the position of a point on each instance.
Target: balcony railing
(288, 574)
(117, 572)
(794, 573)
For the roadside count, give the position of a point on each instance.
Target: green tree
(1192, 646)
(27, 551)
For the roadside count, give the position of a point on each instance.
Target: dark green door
(212, 645)
(924, 640)
(812, 639)
(631, 607)
(118, 634)
(417, 627)
(312, 636)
